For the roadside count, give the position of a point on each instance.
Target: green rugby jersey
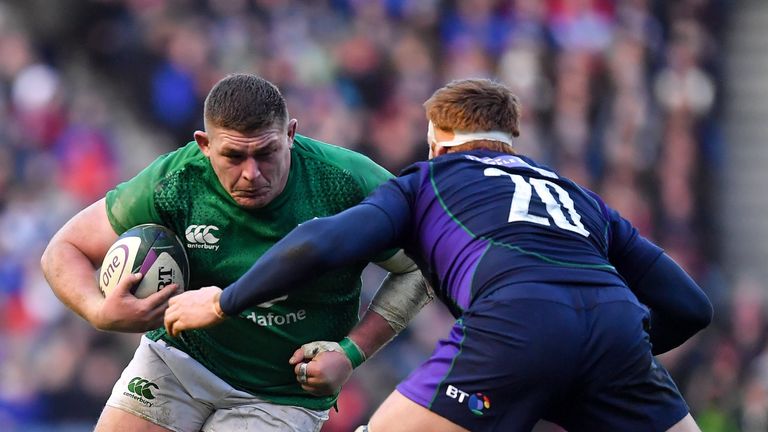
(181, 191)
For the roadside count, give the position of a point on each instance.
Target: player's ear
(203, 142)
(439, 150)
(292, 124)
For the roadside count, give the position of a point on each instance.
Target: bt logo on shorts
(201, 237)
(476, 402)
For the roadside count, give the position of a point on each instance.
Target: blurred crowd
(623, 96)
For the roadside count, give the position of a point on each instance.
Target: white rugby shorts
(169, 388)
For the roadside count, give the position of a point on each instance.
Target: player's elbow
(700, 314)
(46, 259)
(706, 314)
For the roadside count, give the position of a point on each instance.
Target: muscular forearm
(71, 277)
(372, 333)
(398, 300)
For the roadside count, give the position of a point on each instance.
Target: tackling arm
(679, 308)
(313, 248)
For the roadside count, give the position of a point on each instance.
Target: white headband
(460, 137)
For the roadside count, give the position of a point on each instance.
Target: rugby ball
(153, 250)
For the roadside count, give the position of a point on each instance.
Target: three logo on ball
(115, 263)
(150, 249)
(201, 237)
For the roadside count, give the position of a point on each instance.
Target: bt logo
(476, 402)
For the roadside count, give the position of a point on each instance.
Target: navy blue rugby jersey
(478, 221)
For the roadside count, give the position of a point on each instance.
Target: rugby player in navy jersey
(560, 303)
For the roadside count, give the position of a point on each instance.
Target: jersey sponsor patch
(271, 319)
(477, 403)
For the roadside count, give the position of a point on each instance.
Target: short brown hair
(245, 103)
(475, 105)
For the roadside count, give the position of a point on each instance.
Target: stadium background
(658, 106)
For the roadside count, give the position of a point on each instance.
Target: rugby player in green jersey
(245, 182)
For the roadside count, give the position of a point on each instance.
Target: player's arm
(311, 249)
(69, 262)
(679, 308)
(314, 247)
(402, 294)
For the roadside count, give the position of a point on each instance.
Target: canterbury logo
(201, 234)
(141, 387)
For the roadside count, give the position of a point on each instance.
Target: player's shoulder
(332, 154)
(168, 165)
(366, 173)
(179, 159)
(134, 201)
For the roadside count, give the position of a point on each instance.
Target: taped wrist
(312, 349)
(400, 297)
(353, 352)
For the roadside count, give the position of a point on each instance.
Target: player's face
(252, 167)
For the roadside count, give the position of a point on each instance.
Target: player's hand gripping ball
(150, 249)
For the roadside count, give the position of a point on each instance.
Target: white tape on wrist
(398, 263)
(312, 349)
(400, 297)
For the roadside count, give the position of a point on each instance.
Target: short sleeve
(133, 202)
